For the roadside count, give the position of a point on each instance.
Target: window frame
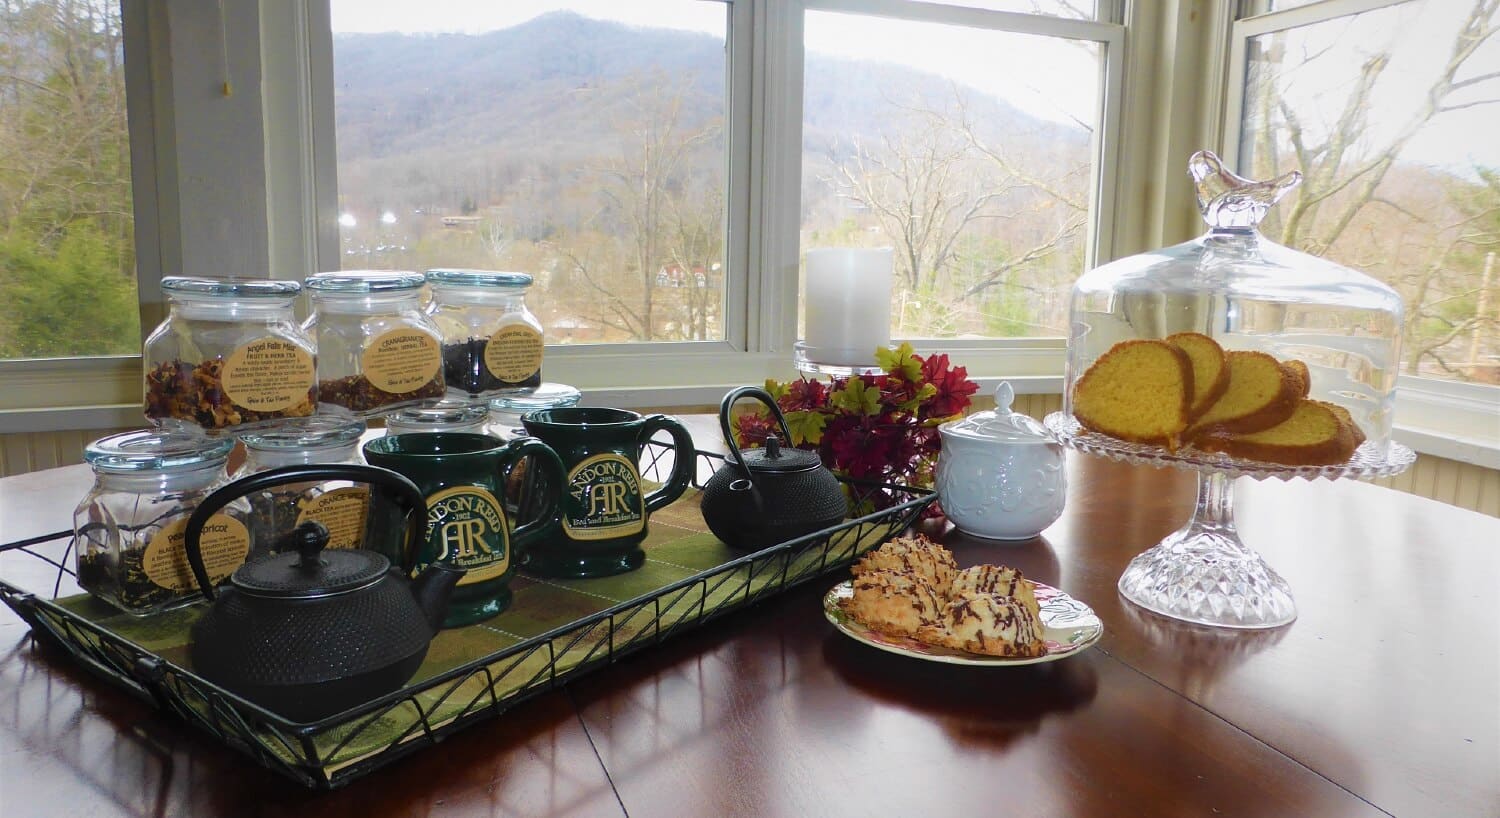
(1452, 419)
(1173, 83)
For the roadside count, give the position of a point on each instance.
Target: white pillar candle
(848, 304)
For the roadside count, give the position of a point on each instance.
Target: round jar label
(225, 542)
(268, 375)
(514, 353)
(466, 528)
(603, 499)
(341, 511)
(402, 360)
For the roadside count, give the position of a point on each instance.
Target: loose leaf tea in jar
(491, 342)
(376, 350)
(129, 530)
(229, 356)
(339, 505)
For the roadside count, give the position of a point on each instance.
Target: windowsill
(1456, 421)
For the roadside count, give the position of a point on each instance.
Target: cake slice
(1314, 435)
(988, 624)
(1347, 418)
(1210, 368)
(1299, 371)
(1261, 394)
(1140, 391)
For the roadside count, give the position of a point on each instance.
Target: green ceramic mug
(603, 507)
(463, 478)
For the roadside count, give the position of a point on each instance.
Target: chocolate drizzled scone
(918, 555)
(893, 602)
(996, 579)
(911, 586)
(989, 624)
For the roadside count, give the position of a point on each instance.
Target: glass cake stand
(1203, 572)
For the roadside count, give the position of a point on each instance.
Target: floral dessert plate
(1068, 627)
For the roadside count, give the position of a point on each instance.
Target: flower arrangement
(881, 428)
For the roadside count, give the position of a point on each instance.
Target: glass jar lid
(439, 414)
(314, 432)
(154, 450)
(999, 425)
(479, 278)
(546, 396)
(187, 286)
(358, 282)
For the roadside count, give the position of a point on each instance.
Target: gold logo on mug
(466, 527)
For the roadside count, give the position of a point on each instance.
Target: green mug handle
(683, 460)
(546, 521)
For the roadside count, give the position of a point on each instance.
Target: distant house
(461, 221)
(675, 275)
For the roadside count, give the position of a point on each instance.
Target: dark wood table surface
(1382, 698)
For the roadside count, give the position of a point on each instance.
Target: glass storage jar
(341, 506)
(506, 410)
(525, 487)
(446, 415)
(128, 531)
(491, 341)
(377, 351)
(230, 356)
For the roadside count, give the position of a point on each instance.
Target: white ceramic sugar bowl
(1000, 475)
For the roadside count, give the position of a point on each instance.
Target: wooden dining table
(1383, 697)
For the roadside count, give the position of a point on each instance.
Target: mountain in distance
(460, 115)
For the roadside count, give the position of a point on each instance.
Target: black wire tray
(339, 749)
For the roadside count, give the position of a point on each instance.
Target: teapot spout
(432, 588)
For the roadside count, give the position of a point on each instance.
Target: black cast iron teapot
(310, 632)
(767, 496)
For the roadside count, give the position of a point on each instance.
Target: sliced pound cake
(1316, 434)
(1140, 391)
(1262, 393)
(1210, 369)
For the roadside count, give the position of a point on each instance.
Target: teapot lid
(776, 459)
(307, 570)
(1000, 425)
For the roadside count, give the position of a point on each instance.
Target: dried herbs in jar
(129, 530)
(376, 350)
(491, 342)
(341, 506)
(229, 357)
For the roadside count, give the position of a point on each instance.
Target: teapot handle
(406, 494)
(724, 412)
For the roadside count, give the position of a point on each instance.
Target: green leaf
(777, 390)
(806, 426)
(901, 362)
(925, 392)
(857, 399)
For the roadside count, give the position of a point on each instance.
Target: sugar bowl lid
(1000, 424)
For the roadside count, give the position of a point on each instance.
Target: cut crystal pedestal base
(1202, 573)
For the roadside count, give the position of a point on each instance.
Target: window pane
(581, 142)
(67, 242)
(1401, 167)
(1076, 9)
(949, 145)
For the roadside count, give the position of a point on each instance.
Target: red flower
(953, 388)
(803, 394)
(754, 428)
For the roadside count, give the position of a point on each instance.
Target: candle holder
(848, 311)
(803, 360)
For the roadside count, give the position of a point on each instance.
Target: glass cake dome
(1249, 293)
(1252, 295)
